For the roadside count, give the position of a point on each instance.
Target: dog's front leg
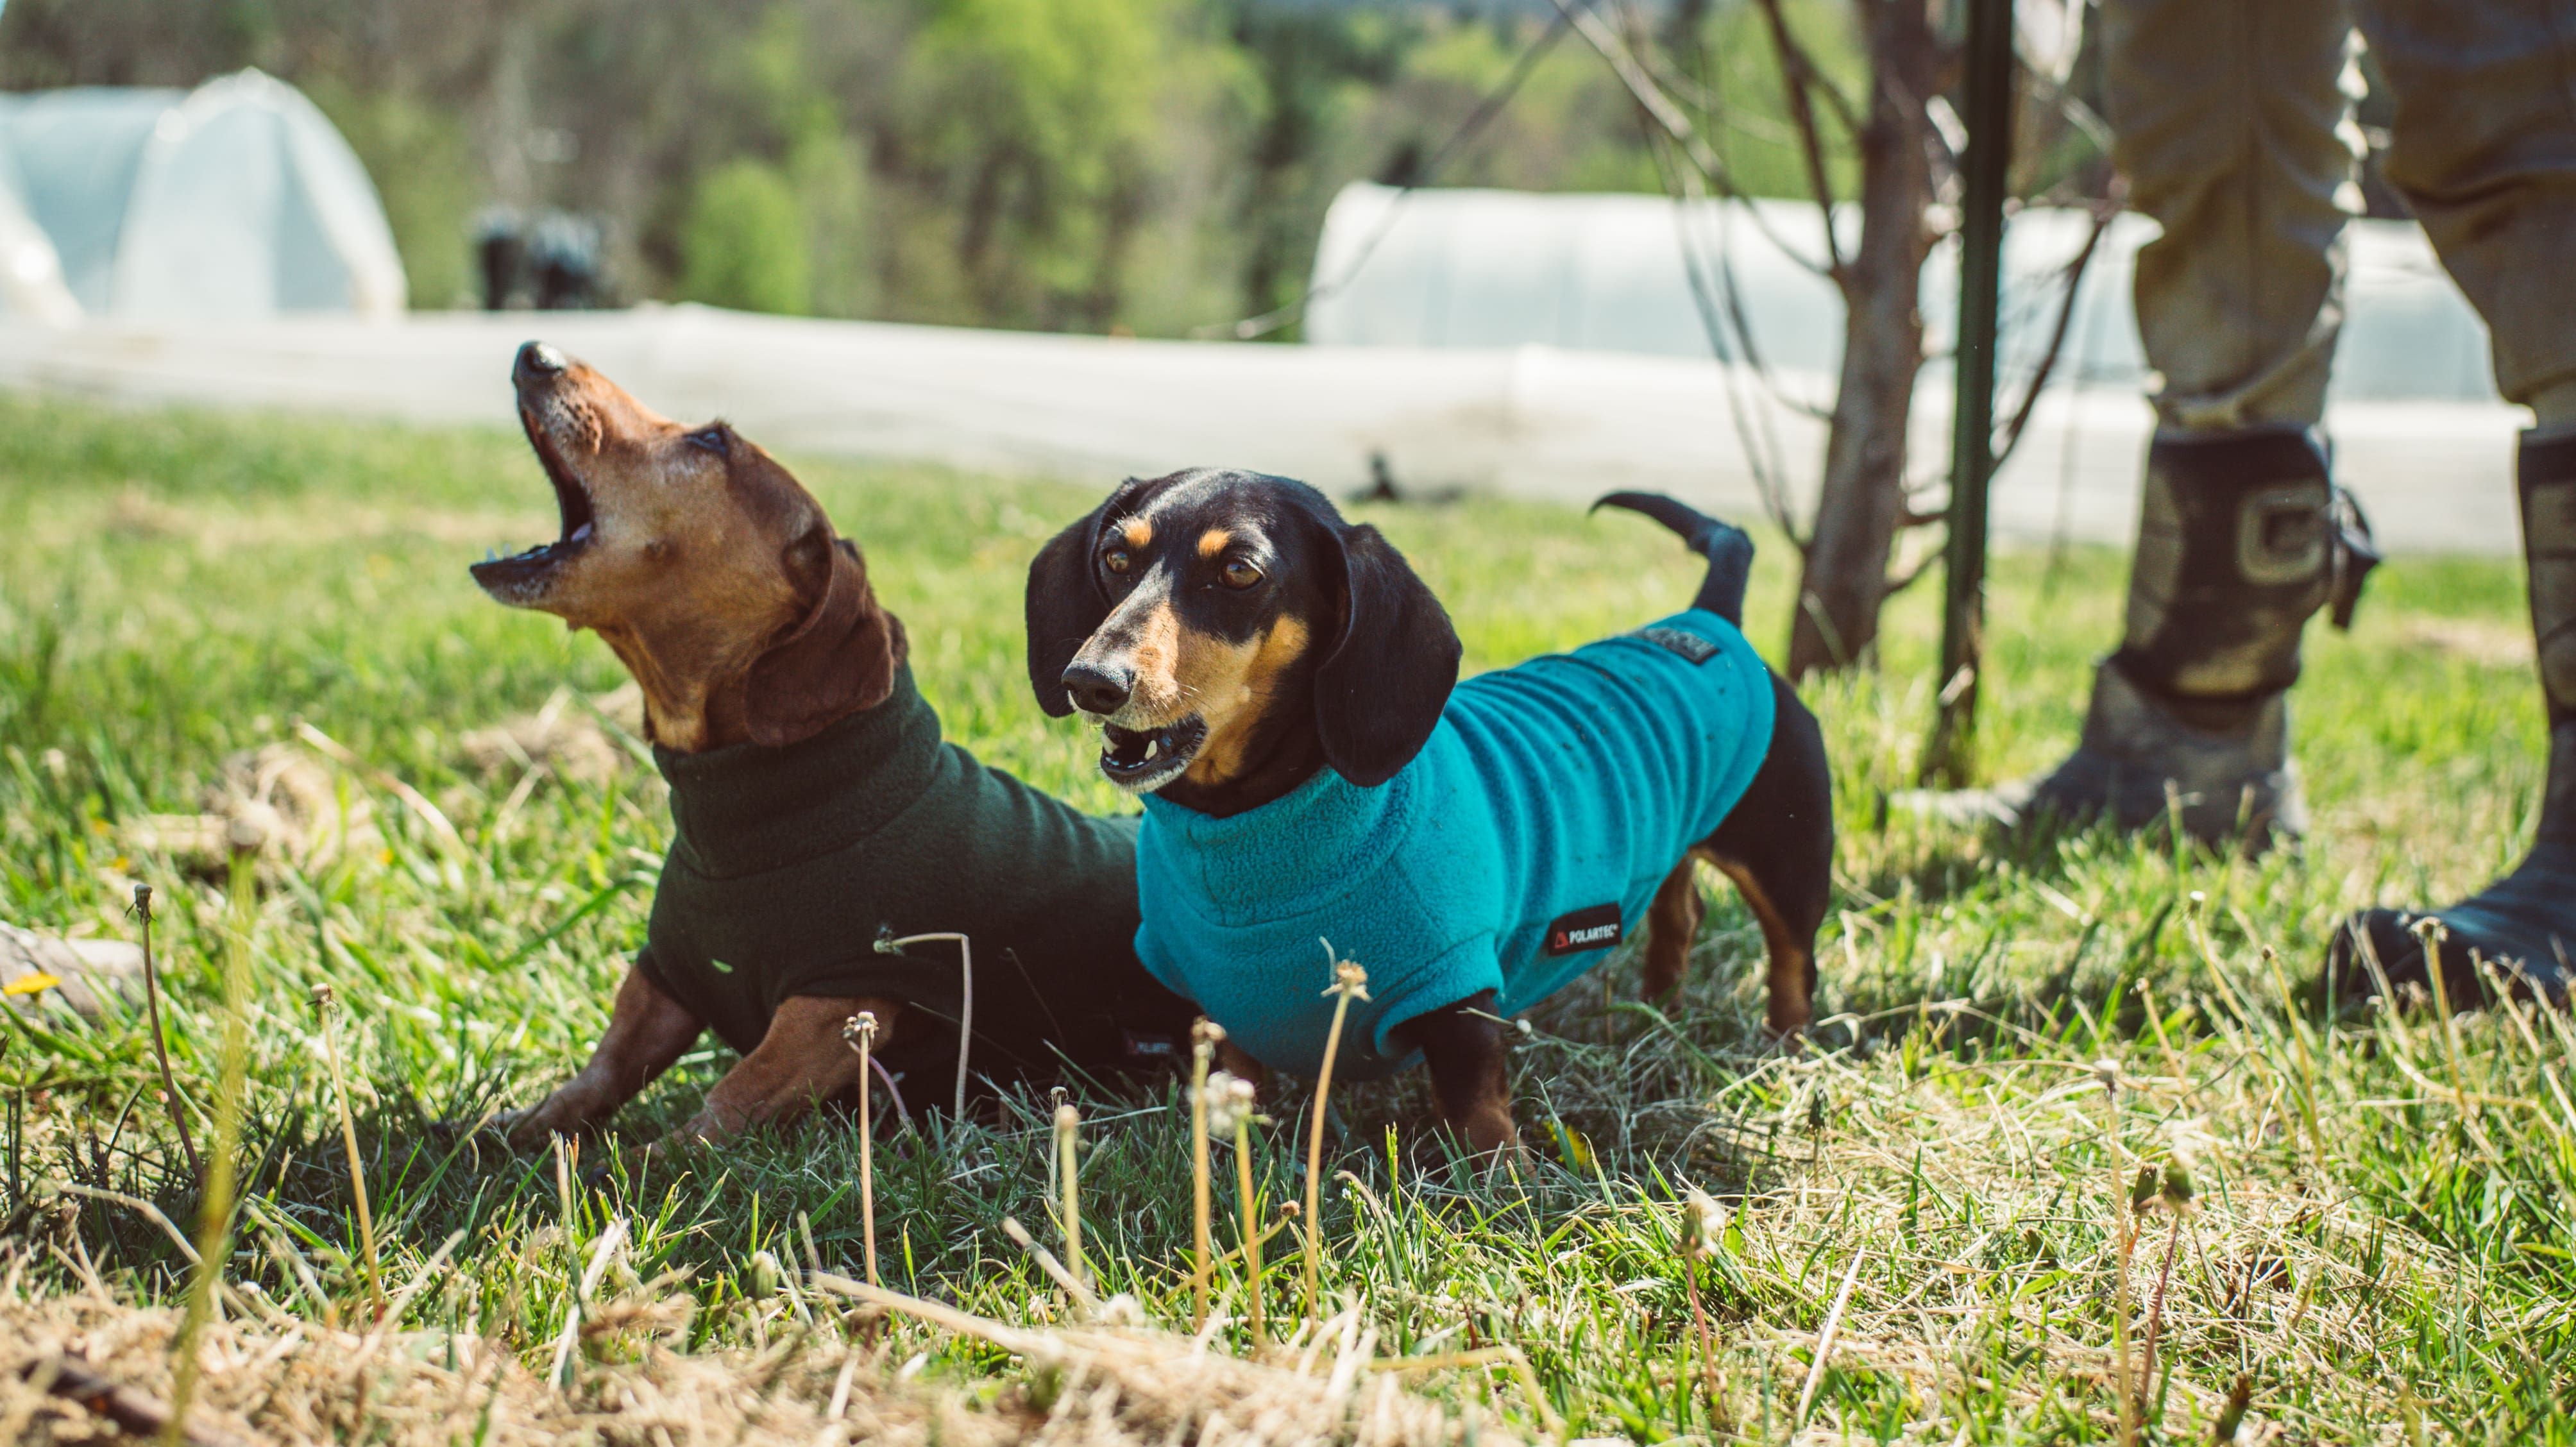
(801, 1061)
(647, 1030)
(1464, 1045)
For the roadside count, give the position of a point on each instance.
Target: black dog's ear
(1066, 604)
(1379, 693)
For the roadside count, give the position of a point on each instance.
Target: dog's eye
(716, 439)
(1117, 560)
(1239, 573)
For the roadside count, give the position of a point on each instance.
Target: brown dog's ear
(1379, 693)
(1066, 603)
(839, 659)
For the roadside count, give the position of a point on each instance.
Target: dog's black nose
(537, 360)
(1098, 688)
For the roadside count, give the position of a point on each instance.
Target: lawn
(2377, 1240)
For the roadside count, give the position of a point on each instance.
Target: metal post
(1951, 759)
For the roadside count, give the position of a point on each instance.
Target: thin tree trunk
(1863, 496)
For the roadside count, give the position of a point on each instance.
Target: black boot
(2525, 923)
(2241, 538)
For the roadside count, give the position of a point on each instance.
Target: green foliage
(1146, 165)
(1730, 55)
(825, 168)
(1042, 121)
(2372, 1235)
(747, 241)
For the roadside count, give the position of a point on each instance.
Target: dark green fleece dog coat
(788, 865)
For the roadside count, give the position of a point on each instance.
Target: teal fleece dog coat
(788, 864)
(1511, 854)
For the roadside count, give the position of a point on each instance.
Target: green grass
(2382, 1245)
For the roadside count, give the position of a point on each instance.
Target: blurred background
(1137, 165)
(1494, 268)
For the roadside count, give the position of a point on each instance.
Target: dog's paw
(533, 1129)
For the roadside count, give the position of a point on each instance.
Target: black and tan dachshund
(1319, 785)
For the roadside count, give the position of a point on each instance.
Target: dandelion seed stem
(2123, 1238)
(1349, 981)
(1203, 1038)
(860, 1033)
(160, 1046)
(1251, 1227)
(322, 1001)
(1068, 1132)
(1698, 1229)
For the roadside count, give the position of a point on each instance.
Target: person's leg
(2233, 124)
(2484, 151)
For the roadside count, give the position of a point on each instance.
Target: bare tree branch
(1798, 76)
(1760, 448)
(2103, 212)
(1912, 575)
(1668, 117)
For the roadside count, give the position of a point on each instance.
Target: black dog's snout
(1099, 689)
(538, 360)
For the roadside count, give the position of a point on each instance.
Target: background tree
(1875, 145)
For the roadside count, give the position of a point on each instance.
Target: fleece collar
(747, 809)
(1303, 848)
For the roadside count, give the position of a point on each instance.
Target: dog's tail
(1728, 548)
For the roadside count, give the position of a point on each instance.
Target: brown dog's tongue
(841, 659)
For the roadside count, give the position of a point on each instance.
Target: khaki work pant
(2234, 126)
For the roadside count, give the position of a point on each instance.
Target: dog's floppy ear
(1379, 693)
(840, 658)
(1066, 604)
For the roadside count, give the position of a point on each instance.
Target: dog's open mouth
(521, 576)
(1145, 760)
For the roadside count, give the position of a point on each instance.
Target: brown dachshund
(817, 815)
(1284, 691)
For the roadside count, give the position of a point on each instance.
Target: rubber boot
(2525, 923)
(2242, 537)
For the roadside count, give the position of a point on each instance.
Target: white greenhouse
(1611, 273)
(232, 202)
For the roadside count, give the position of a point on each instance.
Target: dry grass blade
(600, 1253)
(1169, 1388)
(440, 827)
(1825, 1340)
(1073, 1288)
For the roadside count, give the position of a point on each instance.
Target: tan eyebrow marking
(1137, 532)
(1213, 542)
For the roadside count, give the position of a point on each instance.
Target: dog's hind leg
(1672, 923)
(1778, 847)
